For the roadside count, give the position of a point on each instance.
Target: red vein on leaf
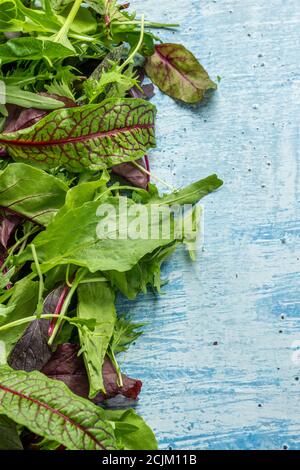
(58, 308)
(168, 62)
(28, 143)
(53, 410)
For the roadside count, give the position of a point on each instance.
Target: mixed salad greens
(76, 126)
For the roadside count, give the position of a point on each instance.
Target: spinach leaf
(177, 72)
(114, 251)
(95, 136)
(96, 300)
(51, 410)
(9, 437)
(31, 192)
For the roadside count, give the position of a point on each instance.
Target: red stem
(58, 308)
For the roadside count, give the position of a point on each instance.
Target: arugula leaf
(177, 72)
(96, 300)
(96, 136)
(24, 301)
(132, 433)
(31, 192)
(49, 409)
(9, 437)
(145, 273)
(125, 333)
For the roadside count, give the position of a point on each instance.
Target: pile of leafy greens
(76, 126)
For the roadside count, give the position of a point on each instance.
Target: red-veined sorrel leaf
(177, 72)
(91, 136)
(48, 408)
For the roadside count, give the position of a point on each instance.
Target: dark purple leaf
(20, 118)
(8, 224)
(146, 92)
(132, 174)
(32, 351)
(66, 365)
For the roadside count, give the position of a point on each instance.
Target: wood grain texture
(243, 292)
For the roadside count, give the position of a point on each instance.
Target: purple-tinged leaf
(67, 366)
(132, 174)
(32, 352)
(177, 72)
(8, 224)
(91, 136)
(21, 118)
(146, 92)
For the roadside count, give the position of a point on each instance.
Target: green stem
(39, 309)
(155, 177)
(79, 276)
(116, 366)
(136, 50)
(23, 321)
(150, 24)
(70, 18)
(93, 279)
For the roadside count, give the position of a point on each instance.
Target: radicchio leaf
(66, 365)
(177, 72)
(48, 408)
(92, 136)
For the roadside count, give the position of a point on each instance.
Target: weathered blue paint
(197, 395)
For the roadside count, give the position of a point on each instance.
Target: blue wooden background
(243, 292)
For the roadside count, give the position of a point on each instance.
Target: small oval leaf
(177, 72)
